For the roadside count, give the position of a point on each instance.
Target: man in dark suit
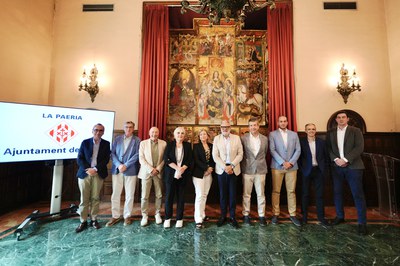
(93, 158)
(312, 164)
(345, 146)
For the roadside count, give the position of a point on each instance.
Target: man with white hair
(151, 153)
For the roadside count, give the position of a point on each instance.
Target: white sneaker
(158, 218)
(144, 221)
(179, 224)
(167, 223)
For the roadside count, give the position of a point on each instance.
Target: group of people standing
(169, 166)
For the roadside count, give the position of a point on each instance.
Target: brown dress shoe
(113, 221)
(81, 227)
(96, 224)
(128, 221)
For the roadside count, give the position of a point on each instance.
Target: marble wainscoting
(54, 242)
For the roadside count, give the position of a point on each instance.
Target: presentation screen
(36, 132)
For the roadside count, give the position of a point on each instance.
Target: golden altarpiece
(216, 73)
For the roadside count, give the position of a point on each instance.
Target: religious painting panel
(183, 49)
(216, 101)
(216, 76)
(217, 73)
(251, 78)
(181, 96)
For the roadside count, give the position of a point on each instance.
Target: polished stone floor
(54, 242)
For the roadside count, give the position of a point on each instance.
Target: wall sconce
(89, 83)
(347, 84)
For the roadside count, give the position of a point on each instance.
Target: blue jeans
(354, 179)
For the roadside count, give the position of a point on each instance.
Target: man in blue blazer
(93, 158)
(124, 170)
(285, 151)
(312, 164)
(345, 146)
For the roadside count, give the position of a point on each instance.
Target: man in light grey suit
(227, 153)
(125, 168)
(285, 151)
(254, 168)
(151, 153)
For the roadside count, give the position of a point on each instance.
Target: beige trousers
(290, 177)
(119, 182)
(259, 184)
(90, 188)
(146, 187)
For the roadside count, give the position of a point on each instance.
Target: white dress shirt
(340, 140)
(313, 149)
(255, 144)
(284, 136)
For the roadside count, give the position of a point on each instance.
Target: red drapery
(281, 94)
(153, 101)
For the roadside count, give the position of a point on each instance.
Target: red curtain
(281, 94)
(153, 101)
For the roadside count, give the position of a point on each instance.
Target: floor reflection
(56, 243)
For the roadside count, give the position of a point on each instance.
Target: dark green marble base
(56, 243)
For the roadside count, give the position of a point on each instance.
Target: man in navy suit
(312, 163)
(93, 158)
(345, 145)
(284, 145)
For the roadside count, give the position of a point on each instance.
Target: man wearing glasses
(227, 153)
(93, 158)
(125, 168)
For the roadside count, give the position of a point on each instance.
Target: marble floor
(53, 241)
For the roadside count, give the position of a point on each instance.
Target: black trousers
(174, 187)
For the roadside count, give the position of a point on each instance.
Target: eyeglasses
(225, 127)
(98, 130)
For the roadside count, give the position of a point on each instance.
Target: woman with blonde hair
(178, 158)
(202, 176)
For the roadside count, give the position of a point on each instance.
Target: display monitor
(31, 132)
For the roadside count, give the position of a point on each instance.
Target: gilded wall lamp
(228, 9)
(347, 84)
(89, 83)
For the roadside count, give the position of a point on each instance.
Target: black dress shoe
(234, 223)
(221, 221)
(246, 220)
(295, 221)
(96, 224)
(263, 221)
(81, 227)
(324, 223)
(337, 221)
(362, 229)
(274, 219)
(206, 219)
